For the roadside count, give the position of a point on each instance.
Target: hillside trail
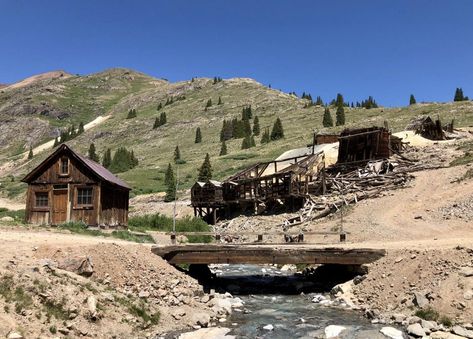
(49, 144)
(419, 212)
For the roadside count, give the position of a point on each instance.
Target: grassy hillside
(116, 91)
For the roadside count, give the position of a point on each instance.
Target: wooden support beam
(265, 254)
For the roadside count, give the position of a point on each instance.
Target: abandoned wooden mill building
(289, 180)
(67, 186)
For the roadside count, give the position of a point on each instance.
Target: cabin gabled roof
(100, 171)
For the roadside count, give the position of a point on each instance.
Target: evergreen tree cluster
(459, 95)
(318, 101)
(217, 79)
(162, 120)
(131, 114)
(369, 103)
(327, 120)
(69, 134)
(122, 160)
(306, 96)
(265, 137)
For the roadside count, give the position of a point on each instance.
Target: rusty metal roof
(96, 168)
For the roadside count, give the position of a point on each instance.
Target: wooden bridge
(265, 254)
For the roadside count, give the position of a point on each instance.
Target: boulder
(14, 335)
(416, 330)
(444, 335)
(392, 332)
(333, 331)
(9, 219)
(221, 306)
(208, 333)
(200, 318)
(466, 271)
(82, 266)
(420, 300)
(463, 332)
(268, 327)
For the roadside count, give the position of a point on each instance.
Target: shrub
(427, 314)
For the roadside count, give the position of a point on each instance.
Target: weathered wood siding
(114, 206)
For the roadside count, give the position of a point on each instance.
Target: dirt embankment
(79, 286)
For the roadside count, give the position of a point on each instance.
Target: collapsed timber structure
(289, 180)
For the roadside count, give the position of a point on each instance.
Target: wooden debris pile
(345, 188)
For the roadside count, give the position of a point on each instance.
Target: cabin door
(59, 206)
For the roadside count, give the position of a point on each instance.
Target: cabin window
(64, 166)
(41, 199)
(84, 196)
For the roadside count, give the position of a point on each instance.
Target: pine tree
(198, 136)
(327, 120)
(246, 142)
(205, 171)
(340, 115)
(246, 127)
(412, 100)
(107, 158)
(459, 95)
(92, 155)
(277, 132)
(133, 159)
(81, 128)
(339, 102)
(319, 101)
(177, 155)
(123, 160)
(220, 101)
(30, 153)
(252, 141)
(160, 106)
(209, 103)
(72, 132)
(156, 123)
(56, 142)
(265, 137)
(256, 128)
(131, 114)
(169, 176)
(170, 192)
(223, 148)
(162, 119)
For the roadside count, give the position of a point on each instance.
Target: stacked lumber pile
(348, 187)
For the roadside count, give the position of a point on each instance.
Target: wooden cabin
(364, 144)
(67, 186)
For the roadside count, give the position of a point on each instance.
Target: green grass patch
(427, 314)
(56, 309)
(18, 216)
(16, 295)
(162, 223)
(81, 228)
(467, 156)
(139, 311)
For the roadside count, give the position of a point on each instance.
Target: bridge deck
(265, 254)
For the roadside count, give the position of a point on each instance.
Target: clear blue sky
(383, 48)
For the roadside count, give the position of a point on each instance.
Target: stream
(278, 303)
(290, 315)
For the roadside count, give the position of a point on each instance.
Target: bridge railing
(287, 236)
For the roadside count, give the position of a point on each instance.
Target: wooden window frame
(60, 172)
(41, 208)
(78, 206)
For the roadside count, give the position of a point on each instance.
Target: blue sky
(387, 49)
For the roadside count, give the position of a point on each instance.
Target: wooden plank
(264, 254)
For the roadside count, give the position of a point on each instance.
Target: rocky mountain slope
(35, 111)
